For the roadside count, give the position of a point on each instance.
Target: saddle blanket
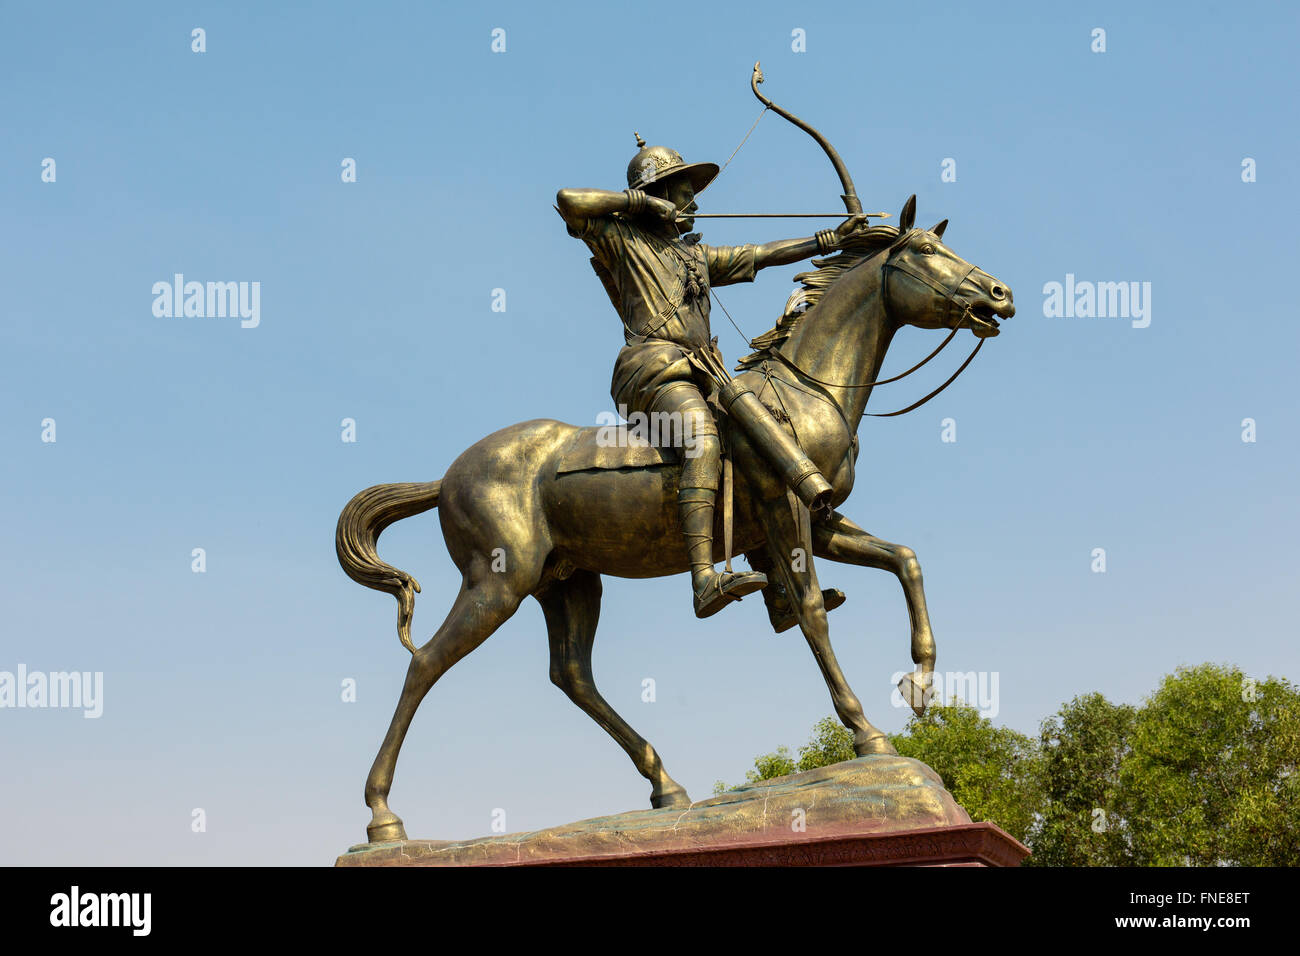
(608, 447)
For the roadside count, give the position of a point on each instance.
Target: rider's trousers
(701, 449)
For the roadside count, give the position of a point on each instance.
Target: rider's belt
(775, 444)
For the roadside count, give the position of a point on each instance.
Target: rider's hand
(661, 209)
(851, 227)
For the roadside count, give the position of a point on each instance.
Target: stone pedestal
(870, 811)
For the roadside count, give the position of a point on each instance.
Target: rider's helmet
(655, 164)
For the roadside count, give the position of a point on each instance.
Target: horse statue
(533, 510)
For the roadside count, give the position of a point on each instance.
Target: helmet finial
(640, 143)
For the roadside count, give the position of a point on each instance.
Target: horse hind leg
(485, 602)
(572, 609)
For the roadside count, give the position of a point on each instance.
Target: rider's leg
(779, 610)
(697, 492)
(777, 446)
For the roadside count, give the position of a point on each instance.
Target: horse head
(929, 286)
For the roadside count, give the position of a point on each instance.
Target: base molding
(877, 810)
(971, 844)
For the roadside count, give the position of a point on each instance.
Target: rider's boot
(781, 613)
(713, 589)
(779, 609)
(777, 447)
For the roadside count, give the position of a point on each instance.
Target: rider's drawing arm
(579, 205)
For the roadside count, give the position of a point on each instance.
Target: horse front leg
(796, 571)
(840, 539)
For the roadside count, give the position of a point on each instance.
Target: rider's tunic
(650, 283)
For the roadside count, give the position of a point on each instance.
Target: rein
(902, 411)
(884, 381)
(948, 293)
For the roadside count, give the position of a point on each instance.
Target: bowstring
(743, 337)
(742, 143)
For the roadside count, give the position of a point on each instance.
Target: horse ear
(939, 228)
(907, 218)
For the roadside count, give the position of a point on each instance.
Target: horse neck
(843, 338)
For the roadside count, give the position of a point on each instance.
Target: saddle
(654, 443)
(613, 447)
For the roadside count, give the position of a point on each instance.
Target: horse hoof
(915, 692)
(387, 829)
(878, 744)
(670, 798)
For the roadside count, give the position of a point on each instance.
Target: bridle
(949, 293)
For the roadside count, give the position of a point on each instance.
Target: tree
(1205, 773)
(1083, 747)
(993, 772)
(989, 770)
(1212, 776)
(831, 742)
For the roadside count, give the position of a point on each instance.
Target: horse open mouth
(983, 321)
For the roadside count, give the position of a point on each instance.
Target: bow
(853, 205)
(850, 195)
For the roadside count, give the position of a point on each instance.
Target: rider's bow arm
(784, 251)
(729, 264)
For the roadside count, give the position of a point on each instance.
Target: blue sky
(222, 689)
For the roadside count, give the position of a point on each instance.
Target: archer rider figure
(658, 276)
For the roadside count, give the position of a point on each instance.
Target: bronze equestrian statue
(659, 285)
(544, 508)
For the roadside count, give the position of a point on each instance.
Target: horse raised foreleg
(486, 600)
(800, 578)
(572, 609)
(841, 540)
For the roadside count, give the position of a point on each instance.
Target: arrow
(783, 215)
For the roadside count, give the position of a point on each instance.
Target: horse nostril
(998, 292)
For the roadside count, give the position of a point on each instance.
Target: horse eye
(927, 250)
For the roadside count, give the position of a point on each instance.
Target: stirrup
(785, 619)
(724, 587)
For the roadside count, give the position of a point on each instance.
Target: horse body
(505, 490)
(515, 526)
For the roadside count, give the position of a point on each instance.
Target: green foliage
(988, 770)
(1206, 772)
(831, 742)
(1083, 747)
(1212, 775)
(771, 765)
(993, 772)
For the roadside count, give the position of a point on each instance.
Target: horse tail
(362, 521)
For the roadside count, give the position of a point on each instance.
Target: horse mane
(824, 275)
